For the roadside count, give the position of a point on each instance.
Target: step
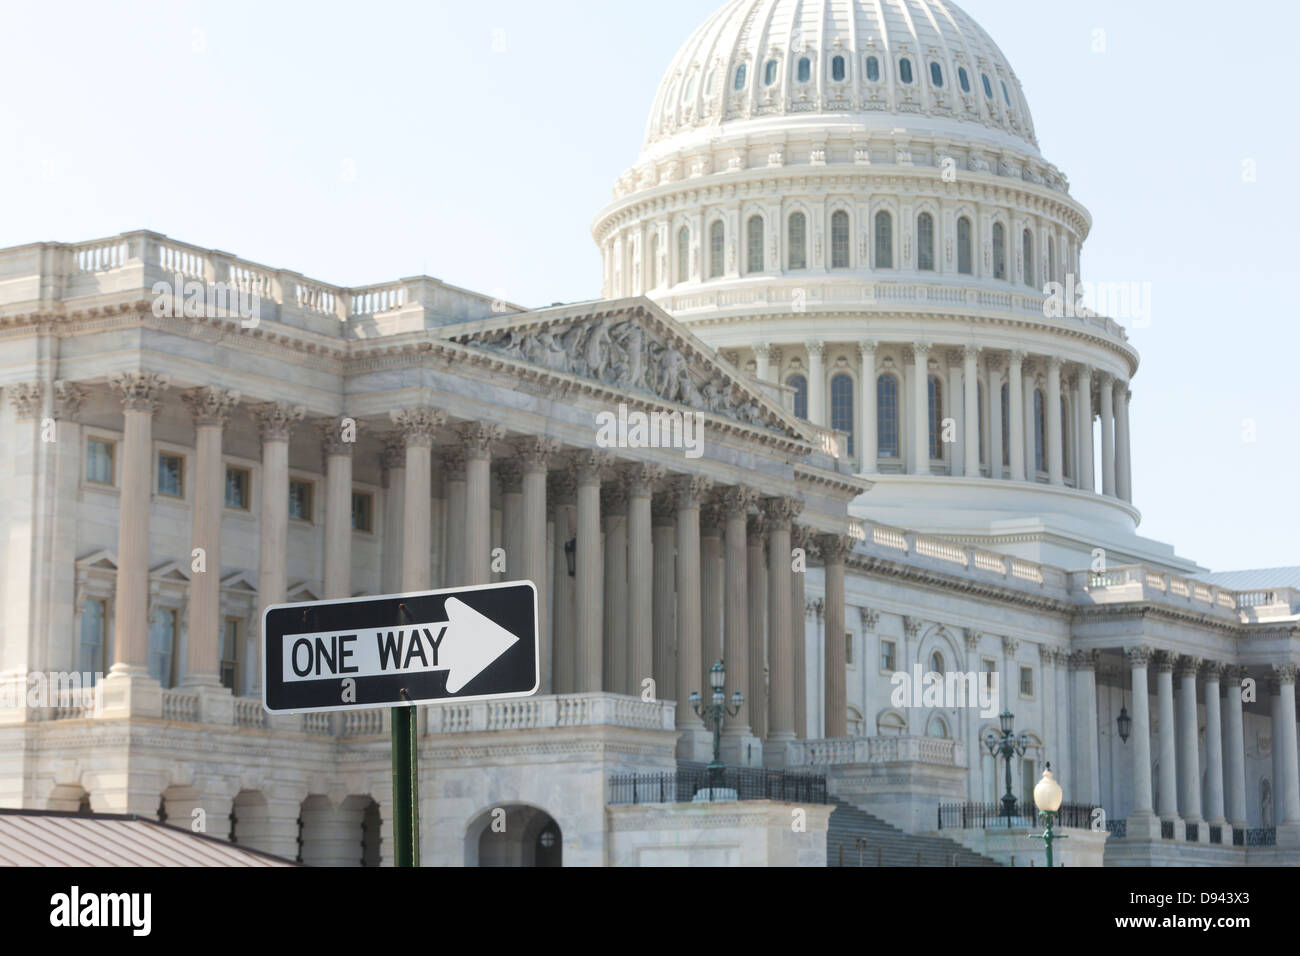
(887, 845)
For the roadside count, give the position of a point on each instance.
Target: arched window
(988, 88)
(963, 246)
(1028, 242)
(690, 90)
(873, 69)
(769, 73)
(717, 235)
(936, 727)
(754, 239)
(936, 73)
(925, 242)
(999, 251)
(1040, 425)
(800, 386)
(905, 70)
(884, 240)
(1006, 425)
(710, 83)
(936, 662)
(936, 417)
(804, 71)
(963, 79)
(887, 416)
(797, 242)
(842, 405)
(891, 724)
(740, 76)
(837, 69)
(979, 405)
(654, 261)
(683, 254)
(839, 239)
(1005, 95)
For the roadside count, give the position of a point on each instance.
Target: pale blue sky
(475, 142)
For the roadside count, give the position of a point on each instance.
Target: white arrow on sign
(464, 645)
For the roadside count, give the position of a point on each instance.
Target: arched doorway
(514, 835)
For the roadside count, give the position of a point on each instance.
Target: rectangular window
(162, 646)
(1026, 682)
(230, 653)
(363, 511)
(238, 483)
(100, 457)
(94, 637)
(1027, 781)
(887, 656)
(848, 649)
(171, 475)
(300, 500)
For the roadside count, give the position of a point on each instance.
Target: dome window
(936, 73)
(905, 70)
(837, 69)
(1005, 95)
(988, 87)
(740, 77)
(769, 73)
(710, 83)
(805, 69)
(797, 242)
(873, 69)
(964, 79)
(690, 89)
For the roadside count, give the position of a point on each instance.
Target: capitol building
(838, 264)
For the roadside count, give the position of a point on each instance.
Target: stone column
(275, 422)
(1055, 462)
(476, 439)
(711, 639)
(868, 440)
(955, 393)
(780, 512)
(211, 410)
(1083, 718)
(563, 587)
(1028, 435)
(759, 662)
(511, 478)
(338, 438)
(816, 384)
(638, 486)
(589, 470)
(834, 549)
(687, 490)
(533, 455)
(613, 512)
(393, 478)
(1123, 448)
(1016, 415)
(1189, 770)
(734, 504)
(971, 405)
(993, 391)
(454, 469)
(1289, 799)
(141, 393)
(1213, 745)
(1168, 803)
(919, 463)
(417, 426)
(763, 362)
(1143, 813)
(663, 516)
(800, 537)
(1083, 403)
(1106, 386)
(1235, 747)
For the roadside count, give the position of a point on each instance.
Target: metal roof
(1254, 580)
(58, 838)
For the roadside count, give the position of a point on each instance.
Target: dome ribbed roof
(912, 64)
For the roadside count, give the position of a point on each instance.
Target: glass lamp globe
(695, 698)
(1047, 792)
(990, 740)
(718, 676)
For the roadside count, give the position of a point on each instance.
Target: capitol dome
(915, 64)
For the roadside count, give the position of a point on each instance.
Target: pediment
(102, 560)
(170, 571)
(239, 581)
(631, 345)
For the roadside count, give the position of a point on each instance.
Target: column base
(1143, 826)
(1288, 835)
(742, 749)
(775, 756)
(129, 691)
(1202, 830)
(216, 703)
(694, 744)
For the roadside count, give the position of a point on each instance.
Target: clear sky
(475, 142)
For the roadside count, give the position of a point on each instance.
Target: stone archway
(514, 835)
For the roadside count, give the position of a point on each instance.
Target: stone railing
(1136, 582)
(862, 750)
(178, 705)
(563, 710)
(249, 712)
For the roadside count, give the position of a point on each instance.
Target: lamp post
(1007, 746)
(712, 714)
(1047, 797)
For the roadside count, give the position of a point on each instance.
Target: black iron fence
(1261, 836)
(1193, 832)
(991, 816)
(747, 783)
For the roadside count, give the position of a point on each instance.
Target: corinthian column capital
(139, 391)
(418, 426)
(275, 420)
(68, 399)
(26, 399)
(210, 405)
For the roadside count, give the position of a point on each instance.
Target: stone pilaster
(477, 439)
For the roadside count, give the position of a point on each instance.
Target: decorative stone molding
(26, 399)
(973, 638)
(1045, 654)
(477, 437)
(419, 426)
(68, 399)
(1010, 646)
(1139, 655)
(1286, 673)
(663, 510)
(1188, 666)
(210, 405)
(834, 548)
(613, 499)
(870, 618)
(590, 467)
(800, 536)
(453, 462)
(536, 453)
(1166, 661)
(276, 420)
(1083, 660)
(563, 487)
(911, 627)
(333, 436)
(394, 453)
(139, 391)
(756, 528)
(737, 499)
(689, 490)
(640, 478)
(511, 474)
(1213, 671)
(781, 512)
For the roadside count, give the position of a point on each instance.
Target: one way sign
(462, 643)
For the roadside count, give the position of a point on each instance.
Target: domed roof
(771, 64)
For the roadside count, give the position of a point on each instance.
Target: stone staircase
(887, 845)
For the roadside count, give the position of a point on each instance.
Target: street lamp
(713, 714)
(1047, 797)
(1007, 746)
